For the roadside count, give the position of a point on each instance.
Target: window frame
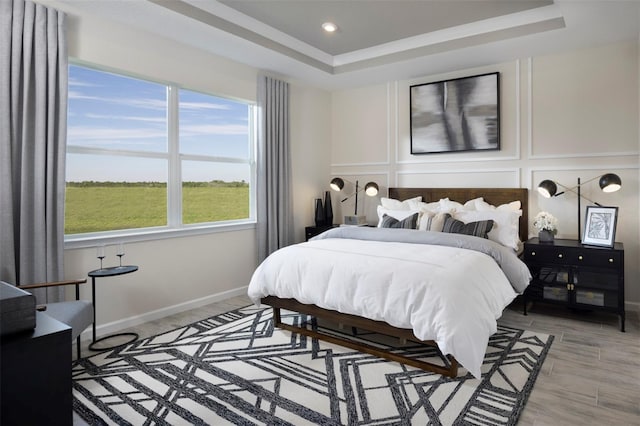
(174, 227)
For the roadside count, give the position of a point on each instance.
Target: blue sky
(108, 111)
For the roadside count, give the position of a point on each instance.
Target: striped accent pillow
(477, 229)
(430, 221)
(410, 222)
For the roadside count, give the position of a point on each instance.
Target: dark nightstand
(312, 231)
(578, 276)
(35, 384)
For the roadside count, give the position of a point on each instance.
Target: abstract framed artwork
(456, 115)
(600, 226)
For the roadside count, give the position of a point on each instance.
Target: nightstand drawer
(597, 258)
(573, 256)
(549, 254)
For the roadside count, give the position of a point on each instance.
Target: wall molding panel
(580, 108)
(585, 155)
(479, 156)
(563, 116)
(508, 177)
(360, 164)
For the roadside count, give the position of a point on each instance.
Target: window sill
(151, 234)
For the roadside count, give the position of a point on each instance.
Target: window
(144, 155)
(215, 170)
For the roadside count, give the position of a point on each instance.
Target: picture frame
(456, 115)
(600, 226)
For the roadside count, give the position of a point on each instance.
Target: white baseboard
(116, 326)
(632, 306)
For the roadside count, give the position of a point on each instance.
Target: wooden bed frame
(495, 196)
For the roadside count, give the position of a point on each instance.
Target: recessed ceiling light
(329, 27)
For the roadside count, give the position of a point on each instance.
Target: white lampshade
(547, 188)
(610, 182)
(337, 184)
(371, 189)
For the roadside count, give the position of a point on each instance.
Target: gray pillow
(477, 229)
(409, 222)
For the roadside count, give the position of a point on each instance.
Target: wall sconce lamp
(609, 182)
(371, 189)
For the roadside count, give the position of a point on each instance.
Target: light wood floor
(591, 375)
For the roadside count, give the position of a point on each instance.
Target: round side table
(103, 273)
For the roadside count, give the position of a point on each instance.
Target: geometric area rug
(235, 368)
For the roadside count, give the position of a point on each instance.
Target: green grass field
(94, 208)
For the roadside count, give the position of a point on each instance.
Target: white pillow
(447, 204)
(441, 206)
(421, 205)
(471, 204)
(396, 214)
(505, 227)
(482, 205)
(431, 221)
(393, 204)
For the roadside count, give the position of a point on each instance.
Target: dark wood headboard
(495, 196)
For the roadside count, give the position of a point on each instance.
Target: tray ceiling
(377, 40)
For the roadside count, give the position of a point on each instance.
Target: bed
(411, 285)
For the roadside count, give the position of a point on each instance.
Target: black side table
(578, 276)
(101, 273)
(312, 231)
(35, 375)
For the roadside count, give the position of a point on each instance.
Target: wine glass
(120, 252)
(100, 253)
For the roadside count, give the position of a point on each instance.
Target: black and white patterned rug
(235, 368)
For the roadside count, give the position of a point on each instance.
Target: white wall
(363, 136)
(310, 152)
(181, 273)
(174, 275)
(562, 117)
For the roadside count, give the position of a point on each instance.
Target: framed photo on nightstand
(600, 226)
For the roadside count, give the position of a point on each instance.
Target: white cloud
(202, 105)
(78, 83)
(155, 104)
(126, 117)
(215, 129)
(103, 136)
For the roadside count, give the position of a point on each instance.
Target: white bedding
(450, 295)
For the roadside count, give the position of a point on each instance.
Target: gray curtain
(33, 122)
(274, 194)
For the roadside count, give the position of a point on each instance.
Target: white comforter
(450, 295)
